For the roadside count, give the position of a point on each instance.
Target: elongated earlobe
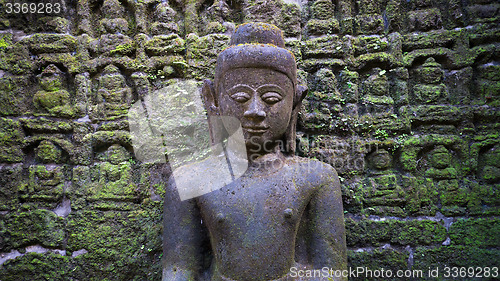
(209, 97)
(300, 94)
(215, 123)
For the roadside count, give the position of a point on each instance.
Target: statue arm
(328, 244)
(182, 237)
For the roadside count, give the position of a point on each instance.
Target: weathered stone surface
(482, 233)
(394, 232)
(403, 100)
(379, 258)
(32, 226)
(453, 256)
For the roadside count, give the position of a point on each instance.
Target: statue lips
(255, 129)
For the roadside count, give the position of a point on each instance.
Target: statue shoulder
(316, 170)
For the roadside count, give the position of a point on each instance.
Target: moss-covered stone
(419, 78)
(481, 232)
(15, 58)
(28, 227)
(201, 53)
(377, 233)
(388, 259)
(15, 95)
(10, 141)
(119, 244)
(45, 184)
(324, 47)
(10, 179)
(321, 27)
(52, 43)
(369, 24)
(162, 45)
(48, 266)
(424, 20)
(454, 256)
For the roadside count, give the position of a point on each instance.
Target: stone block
(369, 24)
(11, 137)
(322, 9)
(425, 20)
(369, 44)
(324, 47)
(290, 20)
(15, 95)
(431, 39)
(349, 87)
(45, 186)
(162, 45)
(201, 53)
(421, 196)
(454, 256)
(388, 259)
(28, 227)
(484, 13)
(10, 179)
(51, 43)
(483, 199)
(48, 265)
(377, 233)
(480, 232)
(316, 27)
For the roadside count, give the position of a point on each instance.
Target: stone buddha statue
(284, 214)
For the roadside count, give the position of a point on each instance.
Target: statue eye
(240, 97)
(271, 97)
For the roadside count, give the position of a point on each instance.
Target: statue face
(262, 100)
(382, 159)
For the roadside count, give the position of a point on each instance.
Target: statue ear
(300, 94)
(210, 101)
(209, 97)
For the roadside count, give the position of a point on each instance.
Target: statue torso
(254, 220)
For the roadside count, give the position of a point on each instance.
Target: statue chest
(262, 206)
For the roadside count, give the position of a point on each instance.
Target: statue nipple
(220, 217)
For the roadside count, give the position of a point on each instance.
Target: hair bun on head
(258, 33)
(257, 45)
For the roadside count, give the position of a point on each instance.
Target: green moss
(52, 43)
(378, 58)
(322, 9)
(432, 39)
(3, 43)
(481, 232)
(47, 125)
(16, 59)
(47, 152)
(33, 227)
(10, 179)
(324, 47)
(377, 233)
(315, 26)
(10, 141)
(454, 256)
(369, 44)
(120, 245)
(483, 199)
(124, 49)
(48, 266)
(377, 259)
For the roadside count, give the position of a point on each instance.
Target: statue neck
(266, 163)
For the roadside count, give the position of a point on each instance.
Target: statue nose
(255, 109)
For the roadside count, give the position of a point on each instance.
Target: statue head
(381, 159)
(440, 157)
(256, 82)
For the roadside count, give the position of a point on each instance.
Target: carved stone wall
(403, 101)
